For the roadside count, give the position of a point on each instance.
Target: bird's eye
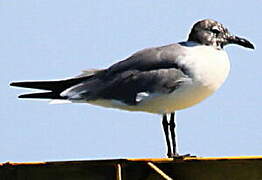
(215, 31)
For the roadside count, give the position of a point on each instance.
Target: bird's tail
(53, 88)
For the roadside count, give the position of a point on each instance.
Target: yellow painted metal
(186, 168)
(197, 158)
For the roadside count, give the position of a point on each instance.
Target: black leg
(172, 126)
(166, 131)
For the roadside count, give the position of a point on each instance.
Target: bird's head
(212, 33)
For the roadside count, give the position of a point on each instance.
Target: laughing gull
(158, 80)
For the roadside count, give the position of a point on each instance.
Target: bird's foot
(177, 156)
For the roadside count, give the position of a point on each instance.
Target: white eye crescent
(215, 30)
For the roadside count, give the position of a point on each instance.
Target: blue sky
(57, 39)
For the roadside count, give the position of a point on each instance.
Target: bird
(159, 80)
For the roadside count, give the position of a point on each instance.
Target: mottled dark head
(212, 33)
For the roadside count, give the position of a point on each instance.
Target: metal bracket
(118, 172)
(159, 171)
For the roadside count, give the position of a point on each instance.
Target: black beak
(240, 41)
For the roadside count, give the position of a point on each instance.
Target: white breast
(210, 68)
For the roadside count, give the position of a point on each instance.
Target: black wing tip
(42, 95)
(20, 84)
(13, 84)
(31, 95)
(23, 96)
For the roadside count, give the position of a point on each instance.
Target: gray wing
(152, 58)
(154, 70)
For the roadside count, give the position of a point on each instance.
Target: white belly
(187, 95)
(209, 71)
